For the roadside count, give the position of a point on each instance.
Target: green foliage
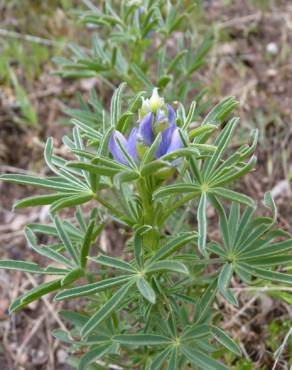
(133, 41)
(155, 306)
(152, 307)
(28, 115)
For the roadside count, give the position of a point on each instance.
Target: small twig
(51, 358)
(45, 93)
(244, 351)
(29, 336)
(50, 307)
(13, 169)
(280, 350)
(30, 38)
(240, 312)
(241, 20)
(12, 235)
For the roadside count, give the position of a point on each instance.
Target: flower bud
(155, 101)
(152, 104)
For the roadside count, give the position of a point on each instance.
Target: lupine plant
(144, 43)
(147, 169)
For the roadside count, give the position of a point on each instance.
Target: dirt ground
(251, 59)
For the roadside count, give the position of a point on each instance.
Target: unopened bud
(155, 102)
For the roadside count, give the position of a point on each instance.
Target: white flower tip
(155, 100)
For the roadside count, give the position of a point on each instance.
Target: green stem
(150, 239)
(146, 197)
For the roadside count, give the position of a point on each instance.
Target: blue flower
(130, 146)
(155, 117)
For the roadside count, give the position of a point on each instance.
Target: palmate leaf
(223, 222)
(72, 276)
(142, 339)
(228, 175)
(206, 129)
(50, 230)
(167, 265)
(189, 117)
(62, 335)
(152, 167)
(93, 355)
(106, 310)
(66, 240)
(159, 359)
(47, 251)
(90, 289)
(114, 262)
(267, 249)
(205, 302)
(138, 244)
(145, 289)
(48, 183)
(40, 200)
(62, 172)
(168, 190)
(173, 359)
(233, 222)
(252, 245)
(94, 168)
(115, 110)
(90, 132)
(202, 223)
(201, 360)
(69, 193)
(225, 340)
(71, 201)
(221, 143)
(233, 196)
(223, 283)
(35, 294)
(69, 274)
(87, 241)
(195, 332)
(173, 245)
(263, 260)
(31, 267)
(191, 151)
(220, 111)
(267, 274)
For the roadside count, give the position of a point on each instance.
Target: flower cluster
(156, 118)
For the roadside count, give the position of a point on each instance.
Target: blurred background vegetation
(251, 58)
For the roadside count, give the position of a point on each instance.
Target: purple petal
(160, 115)
(145, 131)
(171, 115)
(176, 142)
(115, 149)
(132, 144)
(165, 141)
